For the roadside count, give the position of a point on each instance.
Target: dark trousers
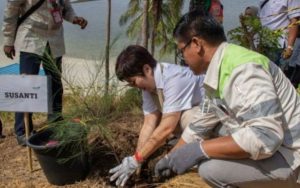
(30, 64)
(295, 78)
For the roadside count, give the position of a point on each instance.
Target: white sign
(24, 93)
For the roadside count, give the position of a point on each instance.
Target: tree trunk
(107, 48)
(156, 8)
(145, 25)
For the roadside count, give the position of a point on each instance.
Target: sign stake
(26, 120)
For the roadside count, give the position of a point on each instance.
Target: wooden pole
(27, 132)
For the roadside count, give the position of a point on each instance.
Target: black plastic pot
(56, 172)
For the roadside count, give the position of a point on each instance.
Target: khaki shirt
(38, 29)
(260, 108)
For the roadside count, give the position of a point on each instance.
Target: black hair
(199, 23)
(131, 61)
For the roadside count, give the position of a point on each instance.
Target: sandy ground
(14, 169)
(82, 72)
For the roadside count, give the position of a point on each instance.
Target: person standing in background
(293, 71)
(214, 7)
(40, 35)
(281, 14)
(251, 11)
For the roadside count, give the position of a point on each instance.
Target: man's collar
(211, 80)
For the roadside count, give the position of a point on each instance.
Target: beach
(85, 48)
(90, 43)
(85, 73)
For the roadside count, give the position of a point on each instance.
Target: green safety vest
(233, 57)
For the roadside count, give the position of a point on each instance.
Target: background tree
(107, 47)
(156, 9)
(162, 17)
(145, 24)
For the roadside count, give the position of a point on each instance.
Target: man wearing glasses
(171, 98)
(252, 99)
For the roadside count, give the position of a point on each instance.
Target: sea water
(90, 43)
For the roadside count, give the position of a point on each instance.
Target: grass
(90, 105)
(93, 108)
(93, 113)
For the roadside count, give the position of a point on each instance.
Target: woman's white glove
(123, 171)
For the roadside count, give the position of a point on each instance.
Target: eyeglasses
(181, 50)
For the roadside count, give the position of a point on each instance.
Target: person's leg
(54, 70)
(296, 54)
(296, 76)
(295, 58)
(29, 64)
(289, 71)
(275, 56)
(272, 172)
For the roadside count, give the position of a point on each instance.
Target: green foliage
(169, 15)
(93, 113)
(130, 100)
(102, 107)
(251, 34)
(72, 139)
(6, 117)
(134, 9)
(92, 108)
(68, 132)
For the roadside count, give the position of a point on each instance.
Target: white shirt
(276, 14)
(181, 89)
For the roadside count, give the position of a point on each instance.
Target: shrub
(252, 35)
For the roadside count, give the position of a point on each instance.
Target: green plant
(71, 138)
(129, 100)
(251, 34)
(97, 111)
(93, 107)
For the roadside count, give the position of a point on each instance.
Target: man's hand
(162, 168)
(186, 157)
(123, 171)
(80, 21)
(9, 51)
(287, 52)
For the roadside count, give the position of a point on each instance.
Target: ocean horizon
(90, 43)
